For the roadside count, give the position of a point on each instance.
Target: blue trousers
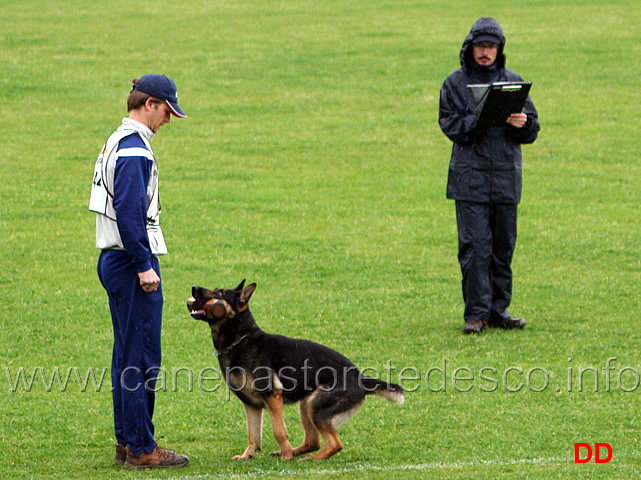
(137, 320)
(487, 240)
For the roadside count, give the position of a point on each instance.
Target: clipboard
(499, 100)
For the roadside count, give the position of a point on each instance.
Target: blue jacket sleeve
(457, 120)
(132, 173)
(530, 130)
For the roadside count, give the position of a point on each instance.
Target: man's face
(485, 53)
(159, 114)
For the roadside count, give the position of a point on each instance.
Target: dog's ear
(246, 294)
(241, 285)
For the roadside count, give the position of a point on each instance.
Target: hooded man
(485, 178)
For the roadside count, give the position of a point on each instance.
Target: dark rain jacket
(485, 165)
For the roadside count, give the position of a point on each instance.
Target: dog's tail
(389, 391)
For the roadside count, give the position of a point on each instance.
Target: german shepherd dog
(268, 371)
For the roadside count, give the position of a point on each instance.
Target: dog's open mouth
(209, 310)
(196, 309)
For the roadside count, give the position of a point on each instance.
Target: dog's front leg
(275, 405)
(254, 431)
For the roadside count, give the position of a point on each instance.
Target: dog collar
(220, 353)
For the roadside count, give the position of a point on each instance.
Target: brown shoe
(473, 326)
(121, 454)
(159, 458)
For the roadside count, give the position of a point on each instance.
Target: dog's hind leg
(275, 406)
(311, 442)
(328, 410)
(254, 431)
(333, 443)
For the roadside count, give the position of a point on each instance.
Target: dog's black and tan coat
(268, 371)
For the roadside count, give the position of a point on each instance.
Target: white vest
(101, 202)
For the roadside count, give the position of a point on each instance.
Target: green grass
(312, 164)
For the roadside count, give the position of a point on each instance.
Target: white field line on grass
(374, 468)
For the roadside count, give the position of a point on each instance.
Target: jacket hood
(483, 26)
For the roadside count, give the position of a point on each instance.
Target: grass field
(312, 164)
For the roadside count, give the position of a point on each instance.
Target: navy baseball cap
(163, 88)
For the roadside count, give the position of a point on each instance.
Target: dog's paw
(248, 454)
(244, 456)
(287, 456)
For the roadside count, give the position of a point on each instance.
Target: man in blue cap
(485, 178)
(124, 196)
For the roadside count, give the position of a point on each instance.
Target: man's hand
(517, 120)
(149, 280)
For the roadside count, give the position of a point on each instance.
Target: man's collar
(141, 128)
